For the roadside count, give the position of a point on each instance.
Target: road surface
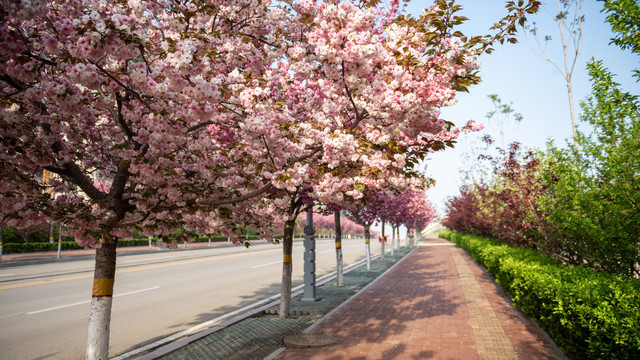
(44, 308)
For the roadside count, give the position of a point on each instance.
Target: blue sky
(535, 87)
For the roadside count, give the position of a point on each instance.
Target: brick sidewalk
(437, 303)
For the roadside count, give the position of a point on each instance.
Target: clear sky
(535, 87)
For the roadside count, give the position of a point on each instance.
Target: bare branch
(13, 83)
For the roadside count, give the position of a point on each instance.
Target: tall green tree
(624, 18)
(596, 199)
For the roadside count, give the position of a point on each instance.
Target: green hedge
(589, 315)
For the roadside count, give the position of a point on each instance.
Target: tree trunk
(339, 270)
(382, 242)
(573, 115)
(406, 239)
(367, 247)
(287, 267)
(393, 239)
(59, 240)
(52, 230)
(101, 300)
(411, 233)
(397, 236)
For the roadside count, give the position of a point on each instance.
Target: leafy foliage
(595, 203)
(589, 315)
(624, 18)
(505, 208)
(579, 204)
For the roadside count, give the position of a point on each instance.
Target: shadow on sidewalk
(408, 295)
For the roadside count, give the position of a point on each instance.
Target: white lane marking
(271, 263)
(7, 274)
(88, 301)
(141, 260)
(57, 307)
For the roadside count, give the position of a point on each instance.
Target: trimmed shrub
(590, 315)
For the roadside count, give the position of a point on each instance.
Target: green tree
(624, 18)
(595, 200)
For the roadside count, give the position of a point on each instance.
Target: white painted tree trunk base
(99, 320)
(368, 252)
(340, 269)
(285, 292)
(392, 246)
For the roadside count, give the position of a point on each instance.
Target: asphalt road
(44, 308)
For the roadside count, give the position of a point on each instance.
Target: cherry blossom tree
(421, 213)
(366, 215)
(127, 104)
(349, 227)
(352, 101)
(324, 223)
(338, 225)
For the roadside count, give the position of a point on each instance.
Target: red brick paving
(418, 310)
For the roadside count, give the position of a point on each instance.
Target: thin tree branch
(355, 108)
(125, 87)
(268, 151)
(120, 118)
